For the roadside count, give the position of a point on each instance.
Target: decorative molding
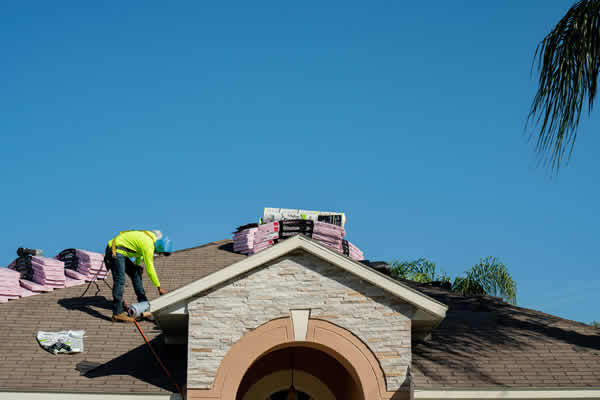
(300, 323)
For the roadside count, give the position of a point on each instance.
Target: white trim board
(84, 396)
(539, 394)
(434, 308)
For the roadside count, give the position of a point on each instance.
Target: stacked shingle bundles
(329, 235)
(34, 287)
(265, 236)
(243, 241)
(48, 271)
(23, 266)
(83, 264)
(352, 251)
(292, 227)
(9, 285)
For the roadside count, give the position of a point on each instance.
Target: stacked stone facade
(221, 316)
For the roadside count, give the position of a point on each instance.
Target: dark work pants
(121, 265)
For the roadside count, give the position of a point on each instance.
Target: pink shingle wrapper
(74, 274)
(9, 272)
(47, 261)
(35, 287)
(49, 274)
(327, 238)
(26, 292)
(3, 299)
(263, 236)
(270, 227)
(323, 227)
(70, 282)
(89, 256)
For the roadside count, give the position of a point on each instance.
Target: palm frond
(489, 276)
(568, 62)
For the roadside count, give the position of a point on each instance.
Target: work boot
(123, 317)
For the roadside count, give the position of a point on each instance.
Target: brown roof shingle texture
(126, 365)
(485, 342)
(482, 343)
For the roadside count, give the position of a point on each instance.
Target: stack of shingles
(352, 251)
(83, 265)
(329, 235)
(265, 236)
(48, 272)
(243, 239)
(24, 267)
(9, 284)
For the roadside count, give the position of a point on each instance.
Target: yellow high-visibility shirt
(142, 248)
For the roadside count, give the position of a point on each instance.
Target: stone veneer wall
(220, 317)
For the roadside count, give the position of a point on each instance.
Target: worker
(141, 245)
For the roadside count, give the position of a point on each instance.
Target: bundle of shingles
(329, 235)
(9, 284)
(83, 265)
(243, 238)
(48, 272)
(352, 251)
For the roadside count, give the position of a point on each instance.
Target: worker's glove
(161, 291)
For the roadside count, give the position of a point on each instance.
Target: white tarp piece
(61, 342)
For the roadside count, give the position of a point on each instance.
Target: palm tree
(489, 276)
(421, 270)
(568, 62)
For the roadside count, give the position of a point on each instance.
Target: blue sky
(192, 118)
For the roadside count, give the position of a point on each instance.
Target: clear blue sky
(192, 118)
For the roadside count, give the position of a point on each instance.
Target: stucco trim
(525, 394)
(84, 396)
(435, 309)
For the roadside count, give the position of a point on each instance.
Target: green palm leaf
(491, 277)
(568, 62)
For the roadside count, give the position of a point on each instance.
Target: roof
(482, 342)
(434, 308)
(125, 363)
(487, 343)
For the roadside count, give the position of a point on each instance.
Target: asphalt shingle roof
(483, 342)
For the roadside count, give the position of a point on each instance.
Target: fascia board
(540, 394)
(7, 395)
(433, 307)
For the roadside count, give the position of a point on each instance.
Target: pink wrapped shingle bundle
(354, 252)
(83, 264)
(26, 292)
(265, 236)
(261, 246)
(70, 282)
(48, 271)
(34, 287)
(92, 271)
(329, 235)
(9, 284)
(243, 241)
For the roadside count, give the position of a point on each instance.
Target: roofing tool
(138, 309)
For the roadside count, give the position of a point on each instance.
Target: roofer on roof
(139, 244)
